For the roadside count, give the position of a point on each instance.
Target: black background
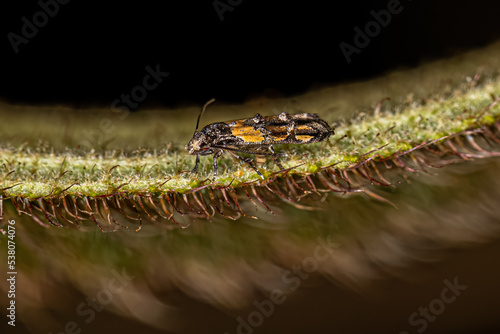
(91, 52)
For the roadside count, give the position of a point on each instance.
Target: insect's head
(199, 144)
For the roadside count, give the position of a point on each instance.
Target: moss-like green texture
(49, 151)
(382, 134)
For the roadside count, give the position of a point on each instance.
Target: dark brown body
(257, 135)
(268, 130)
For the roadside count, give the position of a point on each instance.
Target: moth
(256, 135)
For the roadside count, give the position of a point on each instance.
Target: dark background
(91, 52)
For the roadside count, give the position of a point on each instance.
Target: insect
(256, 136)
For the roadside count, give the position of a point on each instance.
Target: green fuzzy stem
(38, 174)
(50, 151)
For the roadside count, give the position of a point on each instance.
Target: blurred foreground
(354, 266)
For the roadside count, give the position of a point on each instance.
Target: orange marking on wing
(304, 137)
(279, 138)
(248, 134)
(242, 130)
(252, 138)
(303, 127)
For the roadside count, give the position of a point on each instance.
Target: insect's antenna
(201, 113)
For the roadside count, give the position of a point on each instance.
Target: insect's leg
(248, 161)
(196, 164)
(216, 155)
(274, 158)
